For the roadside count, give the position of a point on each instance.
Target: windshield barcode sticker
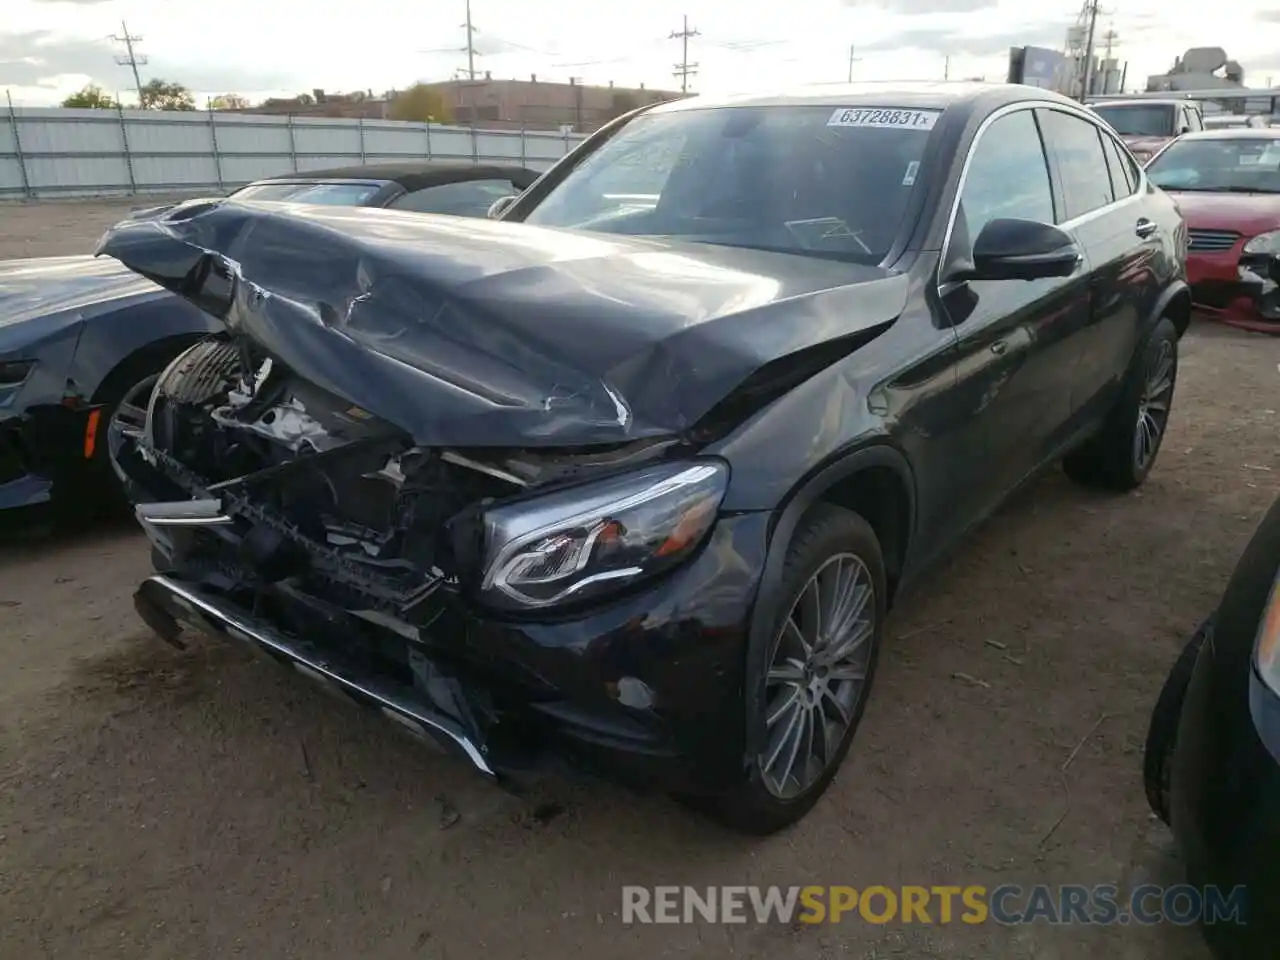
(884, 117)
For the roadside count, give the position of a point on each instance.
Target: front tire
(1162, 732)
(1123, 452)
(808, 698)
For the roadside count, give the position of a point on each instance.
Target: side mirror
(1020, 250)
(499, 206)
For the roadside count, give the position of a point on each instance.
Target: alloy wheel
(1153, 406)
(817, 675)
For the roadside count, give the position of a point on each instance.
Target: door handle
(1145, 228)
(999, 347)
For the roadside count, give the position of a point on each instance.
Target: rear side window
(1076, 146)
(1123, 178)
(468, 198)
(1008, 177)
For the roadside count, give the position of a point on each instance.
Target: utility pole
(946, 68)
(1092, 14)
(471, 45)
(852, 61)
(684, 69)
(576, 83)
(131, 59)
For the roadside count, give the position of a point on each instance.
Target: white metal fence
(59, 152)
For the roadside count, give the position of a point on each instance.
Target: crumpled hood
(479, 333)
(44, 286)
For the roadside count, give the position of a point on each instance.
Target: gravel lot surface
(161, 804)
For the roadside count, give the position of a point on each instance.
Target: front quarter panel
(118, 330)
(894, 389)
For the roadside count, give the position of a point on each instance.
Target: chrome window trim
(1072, 111)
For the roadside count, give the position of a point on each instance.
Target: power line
(684, 69)
(132, 58)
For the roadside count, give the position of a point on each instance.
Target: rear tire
(1162, 733)
(1122, 453)
(815, 712)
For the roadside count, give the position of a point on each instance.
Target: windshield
(329, 194)
(1244, 166)
(810, 180)
(1142, 120)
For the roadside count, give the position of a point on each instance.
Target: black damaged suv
(632, 473)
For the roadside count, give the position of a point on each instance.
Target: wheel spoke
(792, 671)
(778, 739)
(785, 700)
(811, 603)
(1161, 406)
(791, 632)
(852, 611)
(802, 723)
(842, 712)
(847, 671)
(849, 643)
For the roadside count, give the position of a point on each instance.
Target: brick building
(538, 105)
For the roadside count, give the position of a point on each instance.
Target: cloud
(922, 7)
(949, 41)
(1270, 16)
(38, 58)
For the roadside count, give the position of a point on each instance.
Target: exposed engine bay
(331, 495)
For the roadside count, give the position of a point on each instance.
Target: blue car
(82, 339)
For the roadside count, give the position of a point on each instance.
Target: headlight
(1264, 243)
(580, 542)
(1267, 651)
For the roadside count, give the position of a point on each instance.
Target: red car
(1227, 184)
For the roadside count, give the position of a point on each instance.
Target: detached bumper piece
(1245, 294)
(434, 708)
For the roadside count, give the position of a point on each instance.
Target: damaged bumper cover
(163, 603)
(645, 687)
(1240, 290)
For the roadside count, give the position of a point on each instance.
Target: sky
(261, 48)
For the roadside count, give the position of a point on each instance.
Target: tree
(229, 101)
(160, 94)
(91, 98)
(422, 103)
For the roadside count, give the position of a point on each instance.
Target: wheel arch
(133, 366)
(874, 476)
(1174, 303)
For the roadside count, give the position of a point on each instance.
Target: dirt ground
(158, 804)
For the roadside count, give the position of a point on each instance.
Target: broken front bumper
(165, 603)
(646, 687)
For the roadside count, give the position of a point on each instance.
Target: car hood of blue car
(46, 286)
(478, 332)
